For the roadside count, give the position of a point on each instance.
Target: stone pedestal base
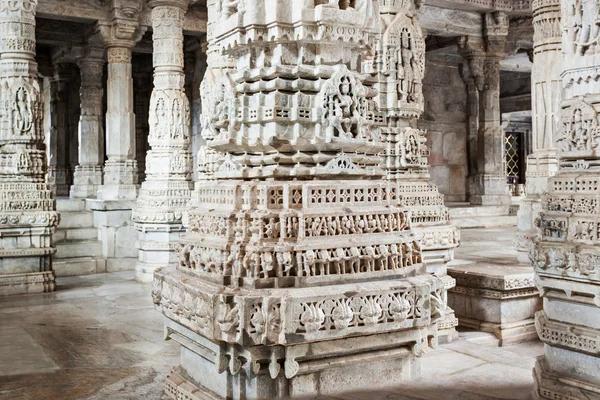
(58, 180)
(321, 368)
(27, 283)
(447, 332)
(116, 232)
(497, 299)
(549, 386)
(488, 190)
(118, 192)
(156, 250)
(120, 181)
(86, 181)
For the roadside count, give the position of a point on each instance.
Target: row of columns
(158, 213)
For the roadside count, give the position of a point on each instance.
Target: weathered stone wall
(445, 119)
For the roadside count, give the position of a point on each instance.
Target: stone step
(62, 235)
(78, 266)
(79, 248)
(64, 204)
(78, 219)
(484, 221)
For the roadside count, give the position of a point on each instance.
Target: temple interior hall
(299, 199)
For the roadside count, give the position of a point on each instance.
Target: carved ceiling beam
(509, 6)
(448, 22)
(98, 10)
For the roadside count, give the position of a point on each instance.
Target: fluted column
(27, 209)
(166, 192)
(546, 89)
(88, 173)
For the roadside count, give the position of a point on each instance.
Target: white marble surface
(98, 337)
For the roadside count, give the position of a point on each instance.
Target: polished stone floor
(98, 337)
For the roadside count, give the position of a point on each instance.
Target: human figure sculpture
(22, 116)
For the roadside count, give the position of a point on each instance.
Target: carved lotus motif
(228, 317)
(370, 312)
(342, 315)
(399, 309)
(312, 318)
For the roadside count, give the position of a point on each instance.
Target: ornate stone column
(399, 66)
(567, 255)
(116, 197)
(58, 163)
(120, 169)
(88, 173)
(546, 91)
(165, 194)
(300, 266)
(27, 209)
(488, 184)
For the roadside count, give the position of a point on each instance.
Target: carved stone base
(120, 181)
(156, 250)
(26, 283)
(118, 192)
(549, 386)
(507, 334)
(58, 179)
(497, 299)
(86, 181)
(489, 190)
(116, 232)
(447, 332)
(208, 370)
(84, 191)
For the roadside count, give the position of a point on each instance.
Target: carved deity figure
(406, 68)
(22, 112)
(581, 26)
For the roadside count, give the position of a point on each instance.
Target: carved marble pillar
(120, 169)
(487, 185)
(473, 117)
(88, 173)
(546, 91)
(165, 194)
(27, 208)
(58, 163)
(567, 255)
(399, 66)
(300, 267)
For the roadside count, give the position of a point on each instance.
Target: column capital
(120, 33)
(183, 4)
(495, 32)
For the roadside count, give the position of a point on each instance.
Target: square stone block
(498, 299)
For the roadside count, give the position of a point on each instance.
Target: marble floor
(98, 337)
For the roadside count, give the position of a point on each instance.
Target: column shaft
(120, 172)
(58, 164)
(88, 173)
(166, 192)
(27, 209)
